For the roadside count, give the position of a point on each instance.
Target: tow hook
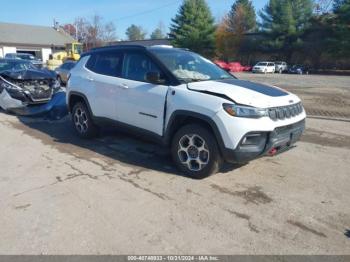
(272, 152)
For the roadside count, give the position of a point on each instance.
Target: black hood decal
(260, 88)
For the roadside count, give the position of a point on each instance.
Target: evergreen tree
(135, 32)
(284, 22)
(158, 33)
(244, 12)
(193, 27)
(341, 43)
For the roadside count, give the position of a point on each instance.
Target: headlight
(8, 86)
(244, 111)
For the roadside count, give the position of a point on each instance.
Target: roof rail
(118, 46)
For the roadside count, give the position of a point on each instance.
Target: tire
(198, 141)
(82, 121)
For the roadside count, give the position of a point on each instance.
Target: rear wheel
(82, 121)
(195, 151)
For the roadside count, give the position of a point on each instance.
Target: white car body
(264, 67)
(281, 67)
(153, 108)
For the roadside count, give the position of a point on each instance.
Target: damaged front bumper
(31, 93)
(56, 108)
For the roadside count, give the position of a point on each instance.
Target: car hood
(28, 74)
(246, 92)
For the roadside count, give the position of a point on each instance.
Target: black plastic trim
(282, 138)
(145, 114)
(71, 93)
(145, 134)
(184, 113)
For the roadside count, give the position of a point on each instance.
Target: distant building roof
(18, 34)
(148, 42)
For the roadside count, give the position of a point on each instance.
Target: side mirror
(154, 78)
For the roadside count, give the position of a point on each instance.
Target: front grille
(283, 112)
(40, 94)
(37, 90)
(286, 129)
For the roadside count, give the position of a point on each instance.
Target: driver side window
(137, 65)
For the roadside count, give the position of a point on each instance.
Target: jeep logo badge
(291, 101)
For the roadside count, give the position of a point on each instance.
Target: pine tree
(283, 22)
(135, 32)
(242, 10)
(158, 33)
(341, 42)
(193, 27)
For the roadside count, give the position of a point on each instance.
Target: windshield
(15, 66)
(26, 56)
(188, 66)
(262, 64)
(78, 49)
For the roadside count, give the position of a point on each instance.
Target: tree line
(316, 33)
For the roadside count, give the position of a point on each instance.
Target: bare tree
(109, 33)
(93, 32)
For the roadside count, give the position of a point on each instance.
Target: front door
(141, 104)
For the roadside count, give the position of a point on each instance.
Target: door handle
(90, 79)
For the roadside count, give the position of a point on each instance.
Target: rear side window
(106, 63)
(271, 64)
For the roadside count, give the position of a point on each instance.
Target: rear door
(105, 71)
(141, 103)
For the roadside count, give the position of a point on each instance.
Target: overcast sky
(147, 13)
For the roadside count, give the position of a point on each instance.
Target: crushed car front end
(25, 88)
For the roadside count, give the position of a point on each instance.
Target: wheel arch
(180, 118)
(75, 97)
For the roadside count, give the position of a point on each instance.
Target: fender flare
(81, 95)
(185, 113)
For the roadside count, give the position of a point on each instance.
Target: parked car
(26, 89)
(264, 67)
(299, 69)
(182, 100)
(281, 67)
(24, 56)
(63, 70)
(232, 66)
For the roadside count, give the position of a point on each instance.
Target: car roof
(132, 47)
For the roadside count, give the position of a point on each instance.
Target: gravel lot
(118, 195)
(326, 96)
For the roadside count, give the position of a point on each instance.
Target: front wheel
(82, 121)
(195, 151)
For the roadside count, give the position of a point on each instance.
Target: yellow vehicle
(72, 52)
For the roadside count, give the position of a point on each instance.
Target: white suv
(185, 101)
(264, 67)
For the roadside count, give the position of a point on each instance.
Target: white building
(40, 41)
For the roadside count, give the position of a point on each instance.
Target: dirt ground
(326, 96)
(118, 195)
